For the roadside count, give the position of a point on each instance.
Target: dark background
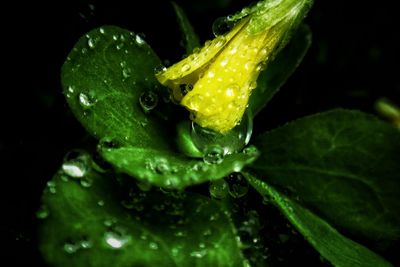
(352, 62)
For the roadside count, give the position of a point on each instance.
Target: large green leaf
(190, 38)
(172, 170)
(333, 246)
(103, 78)
(280, 69)
(344, 165)
(101, 224)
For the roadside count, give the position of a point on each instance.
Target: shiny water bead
(214, 155)
(76, 163)
(218, 189)
(238, 185)
(148, 100)
(231, 142)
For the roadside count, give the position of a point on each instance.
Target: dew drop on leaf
(51, 186)
(148, 100)
(251, 150)
(43, 212)
(198, 254)
(86, 182)
(70, 248)
(85, 101)
(76, 163)
(161, 166)
(214, 155)
(117, 238)
(140, 39)
(238, 185)
(218, 189)
(153, 246)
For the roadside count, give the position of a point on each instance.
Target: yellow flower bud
(215, 82)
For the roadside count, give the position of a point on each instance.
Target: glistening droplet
(76, 163)
(148, 100)
(214, 155)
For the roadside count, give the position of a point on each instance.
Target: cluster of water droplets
(74, 247)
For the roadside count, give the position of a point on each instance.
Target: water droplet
(218, 189)
(70, 248)
(107, 143)
(86, 182)
(148, 100)
(214, 155)
(185, 68)
(231, 142)
(71, 89)
(221, 26)
(198, 254)
(76, 163)
(91, 43)
(85, 101)
(238, 185)
(102, 31)
(100, 203)
(159, 69)
(153, 246)
(200, 167)
(185, 88)
(180, 234)
(86, 244)
(140, 39)
(161, 166)
(207, 232)
(51, 186)
(126, 72)
(175, 251)
(43, 212)
(117, 238)
(251, 151)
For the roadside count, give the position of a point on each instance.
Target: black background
(352, 62)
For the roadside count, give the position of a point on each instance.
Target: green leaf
(103, 78)
(172, 170)
(333, 246)
(342, 164)
(190, 38)
(104, 225)
(280, 69)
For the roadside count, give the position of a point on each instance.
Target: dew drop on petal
(238, 185)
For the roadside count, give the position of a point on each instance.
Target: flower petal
(219, 98)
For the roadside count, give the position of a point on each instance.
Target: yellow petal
(219, 98)
(188, 70)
